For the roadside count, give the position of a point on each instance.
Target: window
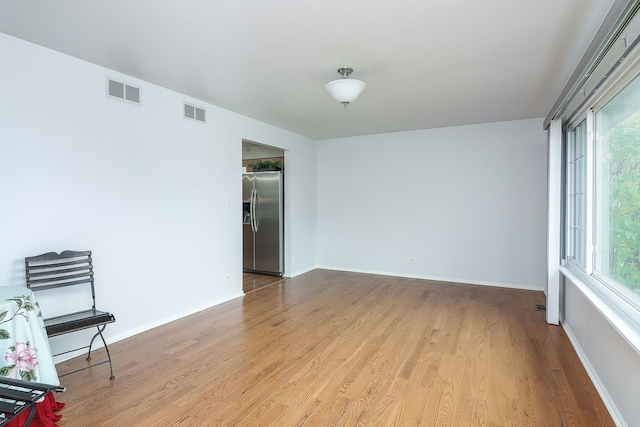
(577, 220)
(599, 109)
(617, 191)
(603, 183)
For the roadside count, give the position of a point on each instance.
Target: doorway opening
(263, 215)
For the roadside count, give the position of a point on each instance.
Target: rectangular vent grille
(195, 113)
(123, 91)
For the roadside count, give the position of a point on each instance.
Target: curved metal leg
(94, 337)
(32, 414)
(112, 377)
(106, 347)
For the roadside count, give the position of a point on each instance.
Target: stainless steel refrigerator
(262, 222)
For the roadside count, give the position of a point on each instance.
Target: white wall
(468, 203)
(142, 187)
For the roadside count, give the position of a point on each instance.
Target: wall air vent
(123, 91)
(195, 113)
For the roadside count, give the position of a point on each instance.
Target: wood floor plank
(331, 348)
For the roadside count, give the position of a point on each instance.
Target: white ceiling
(427, 63)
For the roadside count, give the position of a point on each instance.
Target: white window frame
(612, 299)
(570, 202)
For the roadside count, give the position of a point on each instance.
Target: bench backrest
(52, 270)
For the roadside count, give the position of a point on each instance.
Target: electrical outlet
(412, 260)
(227, 277)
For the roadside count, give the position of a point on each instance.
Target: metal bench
(17, 396)
(69, 268)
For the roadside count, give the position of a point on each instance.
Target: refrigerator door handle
(251, 209)
(254, 210)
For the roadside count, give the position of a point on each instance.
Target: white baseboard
(441, 279)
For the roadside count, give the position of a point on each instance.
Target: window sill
(607, 303)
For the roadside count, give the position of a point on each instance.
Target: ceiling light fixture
(345, 90)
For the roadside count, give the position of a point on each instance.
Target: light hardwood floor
(344, 349)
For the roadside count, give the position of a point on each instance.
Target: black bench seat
(77, 321)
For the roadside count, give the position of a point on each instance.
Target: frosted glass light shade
(345, 90)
